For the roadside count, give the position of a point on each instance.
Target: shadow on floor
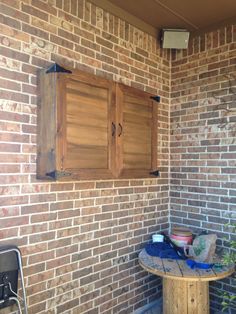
(153, 308)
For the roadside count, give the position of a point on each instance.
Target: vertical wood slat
(154, 155)
(46, 125)
(61, 144)
(185, 297)
(119, 140)
(192, 300)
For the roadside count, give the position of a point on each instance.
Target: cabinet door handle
(121, 129)
(113, 129)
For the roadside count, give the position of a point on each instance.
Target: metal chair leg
(17, 251)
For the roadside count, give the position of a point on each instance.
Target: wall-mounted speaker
(175, 38)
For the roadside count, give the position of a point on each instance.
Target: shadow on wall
(151, 308)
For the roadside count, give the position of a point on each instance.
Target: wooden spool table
(185, 290)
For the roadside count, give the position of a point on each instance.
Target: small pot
(181, 241)
(181, 236)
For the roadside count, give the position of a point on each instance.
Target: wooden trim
(61, 122)
(213, 27)
(154, 135)
(119, 119)
(124, 15)
(46, 116)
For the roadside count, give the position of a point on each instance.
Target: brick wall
(203, 138)
(79, 240)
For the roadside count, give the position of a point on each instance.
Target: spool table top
(178, 269)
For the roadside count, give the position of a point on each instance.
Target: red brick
(40, 277)
(8, 233)
(42, 198)
(14, 54)
(24, 230)
(61, 205)
(43, 217)
(16, 14)
(44, 7)
(6, 20)
(10, 85)
(13, 222)
(35, 12)
(59, 243)
(14, 96)
(35, 31)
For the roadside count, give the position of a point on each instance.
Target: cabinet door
(85, 121)
(136, 132)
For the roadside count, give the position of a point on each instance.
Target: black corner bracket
(56, 68)
(155, 173)
(58, 174)
(156, 98)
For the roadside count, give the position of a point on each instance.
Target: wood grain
(137, 146)
(179, 270)
(46, 125)
(75, 126)
(185, 290)
(93, 128)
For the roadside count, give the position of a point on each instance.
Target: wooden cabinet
(92, 128)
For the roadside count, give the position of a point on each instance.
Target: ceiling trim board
(214, 27)
(124, 15)
(176, 14)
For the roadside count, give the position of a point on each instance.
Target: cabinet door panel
(87, 144)
(137, 143)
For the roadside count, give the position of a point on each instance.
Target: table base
(185, 297)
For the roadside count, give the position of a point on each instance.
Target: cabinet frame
(52, 128)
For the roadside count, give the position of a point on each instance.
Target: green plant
(229, 300)
(230, 256)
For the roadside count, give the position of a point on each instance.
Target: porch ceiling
(153, 15)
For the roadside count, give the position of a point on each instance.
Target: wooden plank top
(178, 269)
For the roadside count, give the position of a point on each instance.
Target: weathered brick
(35, 31)
(35, 12)
(44, 7)
(16, 14)
(14, 54)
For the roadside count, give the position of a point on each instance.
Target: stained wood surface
(137, 136)
(185, 290)
(87, 109)
(85, 112)
(185, 297)
(179, 270)
(46, 125)
(93, 128)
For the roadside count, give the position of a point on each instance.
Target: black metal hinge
(58, 174)
(56, 68)
(156, 98)
(155, 173)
